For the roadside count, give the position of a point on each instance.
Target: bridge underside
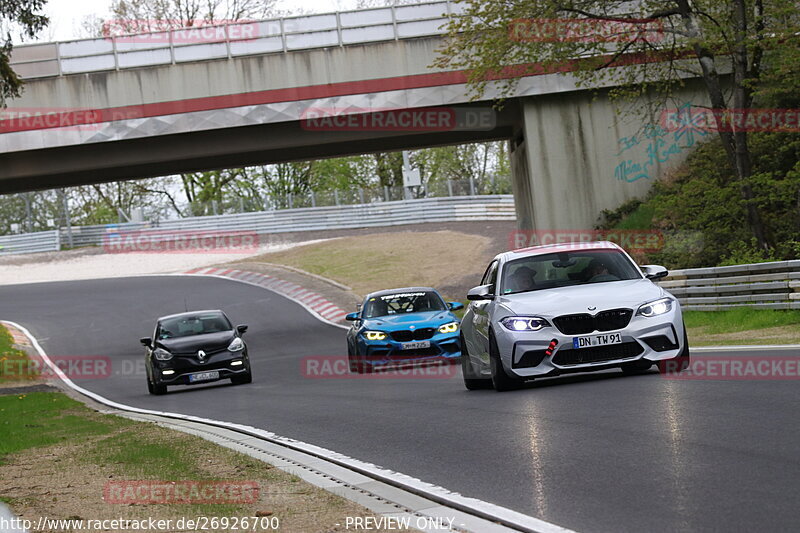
(280, 142)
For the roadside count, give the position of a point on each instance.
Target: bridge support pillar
(573, 155)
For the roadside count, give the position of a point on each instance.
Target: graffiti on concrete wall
(654, 145)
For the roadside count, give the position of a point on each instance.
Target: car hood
(424, 319)
(579, 298)
(191, 344)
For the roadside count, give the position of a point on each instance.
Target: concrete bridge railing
(233, 39)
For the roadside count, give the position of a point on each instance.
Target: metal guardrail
(773, 285)
(43, 241)
(233, 39)
(447, 209)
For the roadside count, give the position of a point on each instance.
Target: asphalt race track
(597, 452)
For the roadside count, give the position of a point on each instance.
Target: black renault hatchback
(195, 347)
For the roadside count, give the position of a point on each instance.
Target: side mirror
(455, 306)
(241, 328)
(654, 271)
(481, 292)
(146, 341)
(351, 317)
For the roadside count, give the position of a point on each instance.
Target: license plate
(596, 340)
(203, 376)
(416, 345)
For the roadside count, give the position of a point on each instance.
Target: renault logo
(592, 308)
(201, 355)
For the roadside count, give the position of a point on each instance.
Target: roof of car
(190, 313)
(400, 290)
(559, 247)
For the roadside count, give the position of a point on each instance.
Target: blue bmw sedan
(399, 327)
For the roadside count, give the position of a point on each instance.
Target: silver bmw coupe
(564, 308)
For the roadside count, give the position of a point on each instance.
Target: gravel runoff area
(94, 263)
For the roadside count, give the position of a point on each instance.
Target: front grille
(597, 354)
(209, 352)
(586, 323)
(405, 335)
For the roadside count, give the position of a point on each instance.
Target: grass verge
(368, 263)
(742, 326)
(56, 457)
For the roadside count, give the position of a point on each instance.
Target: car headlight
(236, 345)
(161, 354)
(375, 335)
(524, 323)
(452, 327)
(655, 308)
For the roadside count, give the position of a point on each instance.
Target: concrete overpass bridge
(241, 94)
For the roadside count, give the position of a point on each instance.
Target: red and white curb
(316, 303)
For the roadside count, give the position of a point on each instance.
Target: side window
(490, 276)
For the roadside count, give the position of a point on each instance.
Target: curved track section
(598, 452)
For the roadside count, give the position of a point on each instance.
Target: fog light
(167, 372)
(235, 363)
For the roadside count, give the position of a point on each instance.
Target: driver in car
(522, 280)
(598, 271)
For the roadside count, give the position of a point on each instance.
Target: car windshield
(186, 325)
(403, 302)
(564, 269)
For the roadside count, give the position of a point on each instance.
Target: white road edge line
(753, 347)
(473, 506)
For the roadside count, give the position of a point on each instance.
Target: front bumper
(228, 364)
(652, 339)
(443, 346)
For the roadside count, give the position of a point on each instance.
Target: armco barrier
(773, 285)
(446, 209)
(43, 241)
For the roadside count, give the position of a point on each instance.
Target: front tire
(500, 380)
(471, 383)
(352, 360)
(156, 390)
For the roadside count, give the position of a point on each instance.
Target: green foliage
(740, 319)
(24, 14)
(697, 207)
(657, 45)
